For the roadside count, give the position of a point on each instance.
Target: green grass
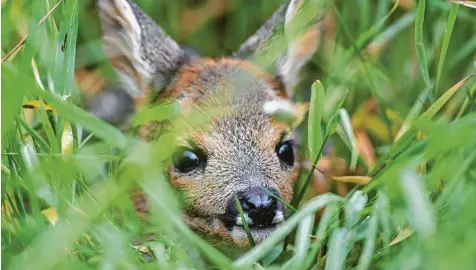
(417, 212)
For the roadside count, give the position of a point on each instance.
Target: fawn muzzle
(261, 208)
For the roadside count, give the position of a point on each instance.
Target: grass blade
(349, 132)
(302, 240)
(288, 205)
(353, 208)
(330, 216)
(413, 113)
(23, 40)
(471, 93)
(245, 223)
(470, 4)
(66, 49)
(382, 208)
(52, 246)
(421, 214)
(419, 44)
(438, 104)
(463, 53)
(315, 119)
(338, 248)
(297, 199)
(37, 137)
(76, 115)
(446, 40)
(354, 179)
(369, 244)
(367, 35)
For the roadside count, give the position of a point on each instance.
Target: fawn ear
(142, 54)
(289, 47)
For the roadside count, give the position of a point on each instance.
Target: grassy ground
(406, 128)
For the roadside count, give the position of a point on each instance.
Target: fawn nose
(261, 208)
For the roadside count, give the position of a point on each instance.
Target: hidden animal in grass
(243, 151)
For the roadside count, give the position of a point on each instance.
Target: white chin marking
(278, 218)
(238, 233)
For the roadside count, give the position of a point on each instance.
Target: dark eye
(186, 160)
(285, 152)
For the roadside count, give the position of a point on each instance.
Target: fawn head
(242, 152)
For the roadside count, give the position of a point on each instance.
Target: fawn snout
(261, 208)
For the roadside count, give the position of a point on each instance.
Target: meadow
(391, 87)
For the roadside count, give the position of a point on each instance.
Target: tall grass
(65, 202)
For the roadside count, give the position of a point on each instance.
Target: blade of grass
(52, 246)
(330, 129)
(306, 184)
(405, 142)
(23, 40)
(315, 118)
(245, 223)
(355, 179)
(471, 93)
(289, 206)
(302, 242)
(420, 45)
(37, 137)
(366, 65)
(338, 248)
(454, 182)
(419, 208)
(413, 113)
(382, 208)
(438, 104)
(66, 49)
(470, 4)
(48, 128)
(446, 40)
(392, 31)
(463, 53)
(411, 148)
(353, 208)
(367, 35)
(369, 244)
(330, 216)
(76, 115)
(51, 24)
(349, 131)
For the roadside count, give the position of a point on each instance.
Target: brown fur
(240, 143)
(240, 140)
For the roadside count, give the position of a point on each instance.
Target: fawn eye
(285, 152)
(187, 160)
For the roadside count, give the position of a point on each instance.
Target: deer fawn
(243, 150)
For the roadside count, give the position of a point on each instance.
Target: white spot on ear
(290, 12)
(278, 106)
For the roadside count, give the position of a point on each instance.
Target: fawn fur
(240, 142)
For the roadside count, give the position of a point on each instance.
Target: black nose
(260, 206)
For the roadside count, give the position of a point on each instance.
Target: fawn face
(241, 151)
